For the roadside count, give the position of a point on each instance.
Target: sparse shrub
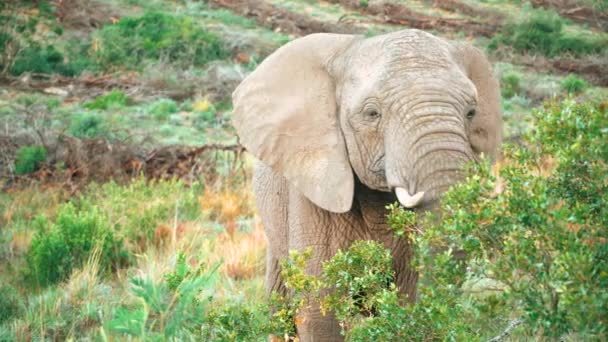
(163, 108)
(155, 36)
(88, 125)
(130, 211)
(180, 305)
(29, 158)
(510, 84)
(111, 100)
(11, 303)
(573, 84)
(59, 247)
(46, 60)
(542, 32)
(237, 321)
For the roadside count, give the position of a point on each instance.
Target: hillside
(126, 203)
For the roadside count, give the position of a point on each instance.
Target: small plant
(174, 309)
(11, 303)
(542, 32)
(510, 84)
(363, 3)
(57, 248)
(573, 84)
(88, 125)
(163, 108)
(29, 159)
(156, 36)
(111, 100)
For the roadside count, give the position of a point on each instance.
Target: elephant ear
(285, 114)
(486, 128)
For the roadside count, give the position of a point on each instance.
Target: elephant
(342, 125)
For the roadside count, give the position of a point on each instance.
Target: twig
(512, 325)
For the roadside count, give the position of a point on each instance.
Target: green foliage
(534, 234)
(88, 125)
(46, 60)
(363, 3)
(130, 211)
(163, 108)
(304, 288)
(155, 35)
(58, 248)
(510, 84)
(29, 158)
(542, 31)
(237, 322)
(11, 303)
(358, 276)
(573, 84)
(526, 244)
(111, 100)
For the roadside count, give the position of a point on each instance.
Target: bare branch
(512, 325)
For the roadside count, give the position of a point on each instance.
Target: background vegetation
(126, 209)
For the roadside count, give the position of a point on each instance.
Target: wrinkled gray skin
(339, 122)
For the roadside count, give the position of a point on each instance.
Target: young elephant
(343, 125)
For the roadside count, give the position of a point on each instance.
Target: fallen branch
(283, 20)
(397, 14)
(512, 325)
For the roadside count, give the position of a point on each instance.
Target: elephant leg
(271, 194)
(324, 232)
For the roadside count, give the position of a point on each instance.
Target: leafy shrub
(510, 84)
(521, 245)
(163, 108)
(237, 321)
(573, 84)
(46, 60)
(11, 303)
(57, 248)
(113, 99)
(29, 159)
(156, 36)
(88, 125)
(542, 32)
(184, 307)
(129, 209)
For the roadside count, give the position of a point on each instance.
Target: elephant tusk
(406, 199)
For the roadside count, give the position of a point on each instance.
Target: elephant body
(343, 125)
(292, 222)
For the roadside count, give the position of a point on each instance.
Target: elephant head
(402, 112)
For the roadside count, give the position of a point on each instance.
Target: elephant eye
(471, 114)
(373, 114)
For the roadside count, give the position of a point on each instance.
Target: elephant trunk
(426, 161)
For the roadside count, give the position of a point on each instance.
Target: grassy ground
(166, 99)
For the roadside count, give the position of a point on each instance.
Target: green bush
(11, 303)
(533, 235)
(111, 100)
(184, 307)
(154, 36)
(542, 32)
(510, 84)
(88, 125)
(46, 60)
(29, 158)
(523, 246)
(59, 247)
(163, 108)
(129, 209)
(574, 85)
